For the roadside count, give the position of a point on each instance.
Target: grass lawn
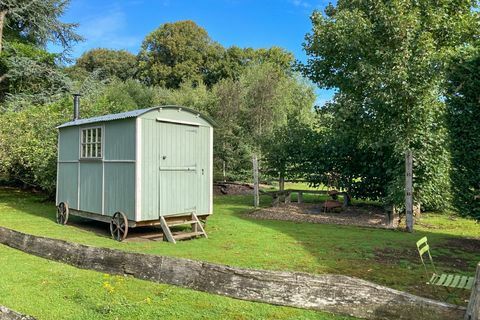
(382, 256)
(51, 290)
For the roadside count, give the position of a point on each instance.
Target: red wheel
(119, 226)
(62, 213)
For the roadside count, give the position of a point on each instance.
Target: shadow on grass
(382, 256)
(388, 257)
(34, 204)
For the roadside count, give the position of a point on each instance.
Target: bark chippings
(332, 293)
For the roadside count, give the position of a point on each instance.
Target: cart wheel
(119, 226)
(62, 213)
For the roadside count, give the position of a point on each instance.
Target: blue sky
(244, 23)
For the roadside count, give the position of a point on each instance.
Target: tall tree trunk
(281, 182)
(409, 190)
(256, 193)
(224, 171)
(2, 22)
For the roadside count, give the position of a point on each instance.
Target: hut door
(178, 165)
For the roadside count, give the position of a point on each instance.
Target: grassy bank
(382, 256)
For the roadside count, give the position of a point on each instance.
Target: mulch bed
(232, 189)
(364, 215)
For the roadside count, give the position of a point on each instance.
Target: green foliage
(176, 53)
(119, 96)
(119, 64)
(27, 72)
(285, 150)
(30, 75)
(38, 22)
(235, 60)
(28, 145)
(250, 109)
(182, 52)
(463, 96)
(28, 137)
(196, 96)
(387, 61)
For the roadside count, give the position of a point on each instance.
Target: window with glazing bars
(91, 143)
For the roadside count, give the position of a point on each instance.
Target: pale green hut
(138, 168)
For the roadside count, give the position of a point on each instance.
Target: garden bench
(444, 280)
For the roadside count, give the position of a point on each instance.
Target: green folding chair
(444, 280)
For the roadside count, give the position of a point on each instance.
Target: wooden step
(187, 235)
(197, 228)
(173, 224)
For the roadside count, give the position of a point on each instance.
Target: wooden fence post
(409, 190)
(391, 216)
(473, 309)
(256, 195)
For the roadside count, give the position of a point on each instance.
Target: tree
(27, 71)
(387, 58)
(176, 53)
(196, 96)
(183, 52)
(285, 150)
(463, 96)
(32, 76)
(28, 144)
(119, 64)
(235, 60)
(250, 109)
(28, 136)
(36, 21)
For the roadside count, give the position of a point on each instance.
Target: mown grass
(382, 256)
(50, 290)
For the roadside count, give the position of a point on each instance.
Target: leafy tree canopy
(37, 21)
(463, 96)
(183, 52)
(27, 71)
(387, 58)
(175, 53)
(119, 64)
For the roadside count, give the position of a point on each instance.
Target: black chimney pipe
(76, 106)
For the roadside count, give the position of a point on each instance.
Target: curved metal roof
(131, 114)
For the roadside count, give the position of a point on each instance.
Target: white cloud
(301, 3)
(106, 29)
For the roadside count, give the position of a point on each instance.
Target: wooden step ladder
(178, 220)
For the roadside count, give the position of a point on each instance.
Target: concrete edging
(8, 314)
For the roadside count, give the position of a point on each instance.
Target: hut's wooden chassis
(132, 223)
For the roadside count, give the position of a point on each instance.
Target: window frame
(82, 143)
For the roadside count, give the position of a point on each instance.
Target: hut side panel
(91, 186)
(119, 167)
(67, 183)
(120, 189)
(68, 144)
(120, 140)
